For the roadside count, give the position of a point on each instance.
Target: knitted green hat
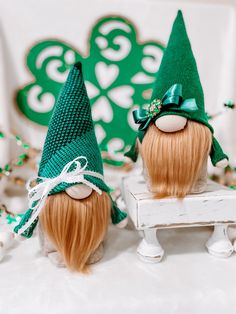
(71, 154)
(177, 89)
(71, 133)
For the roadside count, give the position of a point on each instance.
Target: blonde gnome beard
(76, 227)
(174, 161)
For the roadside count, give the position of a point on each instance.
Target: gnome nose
(171, 123)
(79, 191)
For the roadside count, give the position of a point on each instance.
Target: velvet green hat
(71, 154)
(177, 89)
(178, 66)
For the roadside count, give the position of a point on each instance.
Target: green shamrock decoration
(118, 70)
(10, 219)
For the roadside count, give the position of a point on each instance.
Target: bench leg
(149, 249)
(219, 244)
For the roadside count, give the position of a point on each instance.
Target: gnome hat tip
(180, 13)
(179, 18)
(78, 65)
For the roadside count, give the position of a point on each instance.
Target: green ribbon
(172, 100)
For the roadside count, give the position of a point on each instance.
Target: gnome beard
(175, 163)
(72, 230)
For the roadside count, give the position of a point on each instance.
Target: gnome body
(70, 198)
(174, 136)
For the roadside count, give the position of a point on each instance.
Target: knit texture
(28, 232)
(71, 133)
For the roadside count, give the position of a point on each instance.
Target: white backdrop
(211, 27)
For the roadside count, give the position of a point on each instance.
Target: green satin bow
(172, 100)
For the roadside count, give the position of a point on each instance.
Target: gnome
(174, 137)
(69, 197)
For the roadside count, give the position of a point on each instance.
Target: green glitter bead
(18, 140)
(230, 104)
(26, 146)
(7, 167)
(22, 156)
(2, 135)
(19, 163)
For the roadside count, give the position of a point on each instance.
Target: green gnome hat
(71, 133)
(71, 154)
(177, 89)
(178, 66)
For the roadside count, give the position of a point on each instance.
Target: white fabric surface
(188, 280)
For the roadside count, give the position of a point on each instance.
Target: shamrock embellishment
(119, 72)
(11, 219)
(154, 108)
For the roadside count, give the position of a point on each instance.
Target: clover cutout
(118, 71)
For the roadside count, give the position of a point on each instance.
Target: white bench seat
(216, 206)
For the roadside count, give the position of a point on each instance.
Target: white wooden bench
(216, 206)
